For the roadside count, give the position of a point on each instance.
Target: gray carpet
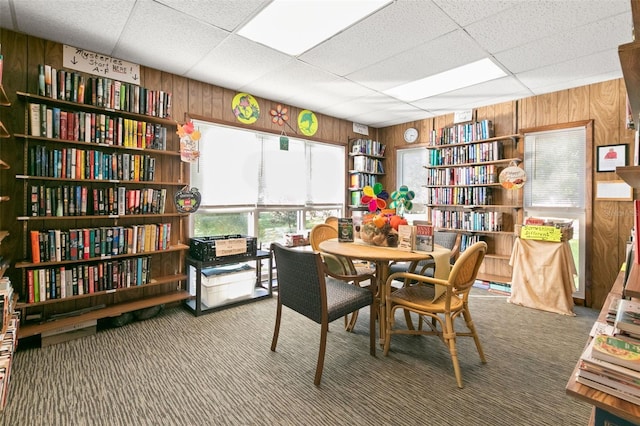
(217, 369)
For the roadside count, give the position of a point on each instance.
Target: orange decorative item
(396, 221)
(279, 115)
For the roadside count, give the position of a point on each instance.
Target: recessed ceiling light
(293, 27)
(456, 78)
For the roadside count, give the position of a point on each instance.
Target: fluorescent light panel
(457, 78)
(295, 26)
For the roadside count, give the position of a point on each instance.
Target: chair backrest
(320, 233)
(301, 281)
(332, 220)
(465, 270)
(450, 240)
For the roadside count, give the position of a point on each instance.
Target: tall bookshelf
(464, 193)
(366, 168)
(69, 219)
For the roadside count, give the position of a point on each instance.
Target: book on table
(628, 316)
(616, 350)
(423, 240)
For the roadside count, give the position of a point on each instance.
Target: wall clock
(411, 135)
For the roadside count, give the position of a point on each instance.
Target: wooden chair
(337, 264)
(332, 220)
(443, 311)
(307, 286)
(447, 239)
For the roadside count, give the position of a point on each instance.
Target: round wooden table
(382, 257)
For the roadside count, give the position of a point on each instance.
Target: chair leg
(388, 324)
(321, 351)
(471, 326)
(407, 318)
(449, 336)
(372, 328)
(276, 330)
(350, 321)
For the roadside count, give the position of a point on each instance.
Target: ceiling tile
(237, 62)
(400, 26)
(568, 73)
(532, 20)
(418, 62)
(224, 14)
(467, 12)
(170, 41)
(585, 40)
(75, 23)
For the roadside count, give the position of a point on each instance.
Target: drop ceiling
(543, 46)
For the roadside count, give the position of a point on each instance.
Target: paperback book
(628, 316)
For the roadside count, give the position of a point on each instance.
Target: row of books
(470, 175)
(102, 92)
(90, 127)
(79, 200)
(67, 281)
(467, 240)
(460, 133)
(463, 154)
(10, 320)
(461, 196)
(57, 245)
(468, 221)
(90, 164)
(360, 180)
(368, 165)
(368, 147)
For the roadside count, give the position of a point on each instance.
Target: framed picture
(611, 156)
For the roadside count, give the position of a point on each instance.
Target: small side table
(259, 292)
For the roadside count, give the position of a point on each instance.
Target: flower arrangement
(189, 138)
(380, 226)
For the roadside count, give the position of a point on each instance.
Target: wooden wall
(609, 222)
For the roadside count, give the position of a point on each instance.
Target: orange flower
(279, 115)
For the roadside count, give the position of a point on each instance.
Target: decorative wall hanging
(279, 115)
(512, 177)
(187, 200)
(307, 122)
(245, 108)
(189, 138)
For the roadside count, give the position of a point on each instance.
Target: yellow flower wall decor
(245, 108)
(279, 115)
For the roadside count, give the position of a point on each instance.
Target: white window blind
(240, 167)
(411, 172)
(555, 165)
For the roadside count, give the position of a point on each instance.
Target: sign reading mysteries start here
(99, 64)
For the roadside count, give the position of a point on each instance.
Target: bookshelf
(366, 168)
(100, 235)
(464, 193)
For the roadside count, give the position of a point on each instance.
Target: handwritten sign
(541, 233)
(231, 246)
(99, 64)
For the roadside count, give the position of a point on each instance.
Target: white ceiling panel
(236, 62)
(88, 24)
(543, 45)
(224, 14)
(156, 37)
(535, 19)
(400, 26)
(584, 41)
(420, 61)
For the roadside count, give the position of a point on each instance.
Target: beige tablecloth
(543, 276)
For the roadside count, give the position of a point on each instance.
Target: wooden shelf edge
(154, 282)
(110, 311)
(632, 288)
(495, 278)
(630, 174)
(25, 264)
(495, 138)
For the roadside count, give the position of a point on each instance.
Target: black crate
(204, 248)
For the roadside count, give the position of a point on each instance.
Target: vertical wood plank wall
(604, 103)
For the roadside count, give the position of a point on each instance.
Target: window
(411, 172)
(557, 179)
(249, 185)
